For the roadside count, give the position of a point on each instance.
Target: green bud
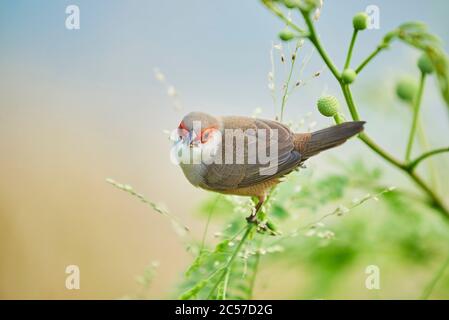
(308, 5)
(348, 76)
(360, 21)
(328, 106)
(291, 3)
(286, 35)
(425, 64)
(406, 89)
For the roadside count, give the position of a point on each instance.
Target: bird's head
(199, 132)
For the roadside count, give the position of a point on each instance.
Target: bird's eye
(205, 136)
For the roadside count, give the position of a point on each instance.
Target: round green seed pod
(328, 106)
(425, 64)
(406, 89)
(286, 35)
(360, 21)
(308, 6)
(348, 76)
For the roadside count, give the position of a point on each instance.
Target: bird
(228, 154)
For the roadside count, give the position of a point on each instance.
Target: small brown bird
(247, 156)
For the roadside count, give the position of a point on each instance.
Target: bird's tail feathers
(330, 137)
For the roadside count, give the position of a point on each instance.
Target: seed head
(425, 64)
(328, 106)
(286, 35)
(360, 21)
(406, 89)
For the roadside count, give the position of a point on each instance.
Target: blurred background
(80, 106)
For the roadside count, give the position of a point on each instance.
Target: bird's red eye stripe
(183, 126)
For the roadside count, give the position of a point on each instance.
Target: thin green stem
(368, 59)
(350, 101)
(273, 8)
(381, 152)
(256, 267)
(416, 107)
(351, 47)
(432, 284)
(412, 164)
(203, 240)
(424, 142)
(313, 37)
(249, 228)
(287, 83)
(225, 283)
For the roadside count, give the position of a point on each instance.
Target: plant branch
(368, 59)
(249, 228)
(432, 284)
(350, 101)
(351, 47)
(412, 164)
(313, 37)
(273, 8)
(256, 268)
(416, 108)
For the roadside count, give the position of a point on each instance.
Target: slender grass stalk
(249, 228)
(429, 289)
(416, 108)
(256, 268)
(351, 47)
(287, 83)
(206, 229)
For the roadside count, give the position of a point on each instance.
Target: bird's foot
(265, 227)
(252, 218)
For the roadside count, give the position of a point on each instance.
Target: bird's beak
(193, 142)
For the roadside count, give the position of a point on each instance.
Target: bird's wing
(228, 176)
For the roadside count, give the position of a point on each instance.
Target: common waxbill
(208, 142)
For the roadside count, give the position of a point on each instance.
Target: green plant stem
(313, 37)
(225, 283)
(351, 47)
(381, 152)
(206, 229)
(416, 107)
(273, 8)
(434, 199)
(350, 101)
(368, 59)
(249, 228)
(424, 142)
(256, 268)
(428, 290)
(412, 164)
